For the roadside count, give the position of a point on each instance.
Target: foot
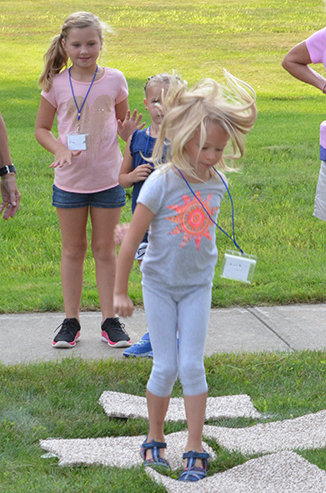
(141, 349)
(196, 466)
(114, 334)
(68, 335)
(151, 453)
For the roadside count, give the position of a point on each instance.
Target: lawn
(274, 192)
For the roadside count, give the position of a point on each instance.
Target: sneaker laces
(117, 326)
(65, 329)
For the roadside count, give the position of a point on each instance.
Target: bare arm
(128, 176)
(9, 191)
(44, 136)
(297, 61)
(140, 222)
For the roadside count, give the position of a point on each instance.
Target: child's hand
(141, 172)
(120, 232)
(130, 124)
(63, 156)
(123, 306)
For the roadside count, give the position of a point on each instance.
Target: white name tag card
(238, 266)
(76, 142)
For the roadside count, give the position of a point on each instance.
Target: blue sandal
(191, 472)
(155, 460)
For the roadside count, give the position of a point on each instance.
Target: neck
(83, 74)
(155, 130)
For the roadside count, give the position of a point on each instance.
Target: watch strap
(5, 170)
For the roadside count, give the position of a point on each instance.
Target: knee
(193, 377)
(74, 251)
(103, 252)
(161, 381)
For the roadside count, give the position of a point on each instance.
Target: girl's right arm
(44, 136)
(140, 222)
(128, 176)
(297, 61)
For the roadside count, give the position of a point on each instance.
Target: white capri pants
(170, 310)
(320, 198)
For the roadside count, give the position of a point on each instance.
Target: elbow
(285, 63)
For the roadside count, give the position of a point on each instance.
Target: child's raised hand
(130, 124)
(123, 306)
(63, 157)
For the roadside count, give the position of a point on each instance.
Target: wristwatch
(5, 170)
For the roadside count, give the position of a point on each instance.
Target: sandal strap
(153, 444)
(193, 474)
(192, 454)
(155, 448)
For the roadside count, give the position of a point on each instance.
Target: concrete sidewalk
(27, 337)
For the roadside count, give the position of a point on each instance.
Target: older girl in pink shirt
(91, 106)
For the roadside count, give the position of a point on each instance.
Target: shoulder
(138, 138)
(114, 73)
(316, 42)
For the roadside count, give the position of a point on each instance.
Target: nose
(213, 156)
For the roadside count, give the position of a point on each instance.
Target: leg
(195, 406)
(74, 245)
(193, 318)
(161, 318)
(157, 409)
(104, 222)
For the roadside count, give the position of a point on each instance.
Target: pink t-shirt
(98, 167)
(316, 46)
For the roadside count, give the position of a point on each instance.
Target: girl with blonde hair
(91, 105)
(179, 203)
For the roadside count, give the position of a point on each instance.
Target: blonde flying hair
(232, 107)
(56, 58)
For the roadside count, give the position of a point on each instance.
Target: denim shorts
(111, 198)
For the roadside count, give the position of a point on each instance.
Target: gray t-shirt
(182, 250)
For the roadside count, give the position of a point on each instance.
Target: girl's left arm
(140, 222)
(127, 124)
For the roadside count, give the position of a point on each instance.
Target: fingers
(58, 163)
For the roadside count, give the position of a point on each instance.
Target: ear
(101, 43)
(145, 103)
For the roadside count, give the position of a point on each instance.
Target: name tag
(238, 267)
(76, 142)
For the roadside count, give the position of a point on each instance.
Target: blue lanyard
(207, 212)
(73, 94)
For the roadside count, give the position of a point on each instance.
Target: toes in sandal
(155, 460)
(191, 472)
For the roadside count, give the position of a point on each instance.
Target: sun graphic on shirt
(192, 220)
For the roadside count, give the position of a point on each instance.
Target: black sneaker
(114, 334)
(68, 335)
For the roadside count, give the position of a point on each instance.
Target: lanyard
(73, 94)
(207, 212)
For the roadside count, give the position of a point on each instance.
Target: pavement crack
(254, 313)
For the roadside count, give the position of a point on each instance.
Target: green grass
(273, 194)
(44, 400)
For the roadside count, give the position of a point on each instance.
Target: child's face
(211, 152)
(154, 102)
(83, 46)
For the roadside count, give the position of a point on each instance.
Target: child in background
(91, 105)
(179, 203)
(135, 169)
